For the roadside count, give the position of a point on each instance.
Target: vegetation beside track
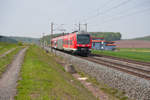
(139, 54)
(6, 46)
(4, 61)
(44, 79)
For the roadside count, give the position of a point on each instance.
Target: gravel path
(7, 52)
(9, 78)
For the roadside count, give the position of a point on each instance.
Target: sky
(32, 18)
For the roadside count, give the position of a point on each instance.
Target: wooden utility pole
(51, 35)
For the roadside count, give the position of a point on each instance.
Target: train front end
(84, 43)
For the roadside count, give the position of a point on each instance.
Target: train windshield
(83, 38)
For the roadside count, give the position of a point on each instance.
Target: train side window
(72, 39)
(70, 42)
(66, 41)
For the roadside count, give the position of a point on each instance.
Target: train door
(72, 42)
(60, 44)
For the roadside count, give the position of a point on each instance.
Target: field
(43, 79)
(139, 54)
(4, 61)
(6, 46)
(133, 44)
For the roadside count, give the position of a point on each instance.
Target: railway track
(124, 59)
(143, 72)
(137, 69)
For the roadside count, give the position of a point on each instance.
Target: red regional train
(78, 43)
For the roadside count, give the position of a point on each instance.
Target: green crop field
(139, 54)
(6, 46)
(42, 78)
(4, 61)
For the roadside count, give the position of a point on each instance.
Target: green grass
(44, 79)
(6, 46)
(135, 49)
(139, 54)
(143, 38)
(4, 61)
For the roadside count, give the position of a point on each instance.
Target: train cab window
(83, 38)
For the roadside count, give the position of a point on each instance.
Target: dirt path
(7, 52)
(9, 78)
(95, 91)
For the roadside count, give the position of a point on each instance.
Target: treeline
(108, 36)
(10, 39)
(7, 39)
(27, 39)
(146, 38)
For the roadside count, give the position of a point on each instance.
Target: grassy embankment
(4, 61)
(44, 79)
(139, 54)
(6, 46)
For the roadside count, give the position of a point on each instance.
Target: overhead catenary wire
(128, 10)
(97, 9)
(108, 10)
(129, 14)
(125, 13)
(124, 16)
(114, 7)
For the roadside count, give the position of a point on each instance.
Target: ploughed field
(138, 54)
(133, 44)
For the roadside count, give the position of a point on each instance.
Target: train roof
(68, 34)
